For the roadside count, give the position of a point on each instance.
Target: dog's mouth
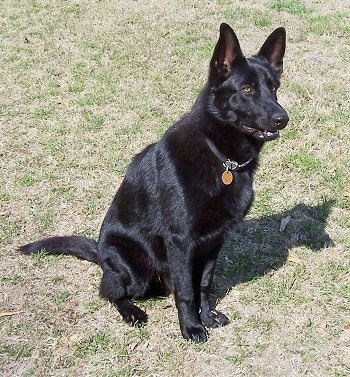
(263, 135)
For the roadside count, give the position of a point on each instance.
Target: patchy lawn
(84, 85)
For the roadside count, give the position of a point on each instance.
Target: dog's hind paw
(136, 317)
(214, 319)
(137, 320)
(131, 314)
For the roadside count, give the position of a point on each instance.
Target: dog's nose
(280, 120)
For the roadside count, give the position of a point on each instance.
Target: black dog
(182, 195)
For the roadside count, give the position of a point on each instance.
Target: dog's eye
(247, 89)
(274, 88)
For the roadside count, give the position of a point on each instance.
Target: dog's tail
(78, 246)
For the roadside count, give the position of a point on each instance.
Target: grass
(294, 7)
(86, 85)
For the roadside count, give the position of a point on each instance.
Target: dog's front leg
(209, 317)
(181, 269)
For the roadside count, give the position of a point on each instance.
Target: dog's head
(243, 90)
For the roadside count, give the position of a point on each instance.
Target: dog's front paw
(214, 319)
(197, 333)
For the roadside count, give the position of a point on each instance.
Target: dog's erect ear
(273, 49)
(227, 52)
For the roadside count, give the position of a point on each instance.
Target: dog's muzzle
(279, 121)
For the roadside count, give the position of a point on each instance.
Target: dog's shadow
(259, 246)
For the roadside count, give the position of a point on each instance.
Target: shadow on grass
(259, 246)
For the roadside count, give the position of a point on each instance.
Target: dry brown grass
(85, 85)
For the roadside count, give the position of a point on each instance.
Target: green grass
(336, 24)
(93, 344)
(304, 162)
(294, 7)
(86, 85)
(17, 352)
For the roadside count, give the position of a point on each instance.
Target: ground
(84, 85)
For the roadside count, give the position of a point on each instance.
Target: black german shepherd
(181, 196)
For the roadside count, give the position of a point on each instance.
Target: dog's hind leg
(125, 276)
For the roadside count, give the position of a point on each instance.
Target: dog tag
(227, 177)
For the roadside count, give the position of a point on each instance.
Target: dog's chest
(237, 197)
(216, 213)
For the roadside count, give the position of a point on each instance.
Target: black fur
(171, 214)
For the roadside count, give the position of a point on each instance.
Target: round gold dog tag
(227, 177)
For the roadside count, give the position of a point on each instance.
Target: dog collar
(230, 166)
